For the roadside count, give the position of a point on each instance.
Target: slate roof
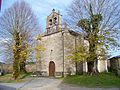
(115, 57)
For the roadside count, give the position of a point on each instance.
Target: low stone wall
(115, 65)
(31, 67)
(8, 68)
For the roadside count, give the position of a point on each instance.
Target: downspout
(76, 52)
(63, 50)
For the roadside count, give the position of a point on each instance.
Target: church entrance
(51, 68)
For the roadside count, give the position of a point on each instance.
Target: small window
(55, 20)
(50, 21)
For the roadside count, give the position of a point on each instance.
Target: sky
(42, 8)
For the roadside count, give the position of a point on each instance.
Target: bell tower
(53, 23)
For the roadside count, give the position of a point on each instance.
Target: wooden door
(51, 68)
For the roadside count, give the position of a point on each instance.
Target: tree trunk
(15, 69)
(79, 68)
(22, 67)
(16, 56)
(93, 56)
(90, 67)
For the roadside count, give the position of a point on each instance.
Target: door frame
(51, 68)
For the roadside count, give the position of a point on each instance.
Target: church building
(59, 41)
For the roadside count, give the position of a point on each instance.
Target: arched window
(50, 21)
(55, 20)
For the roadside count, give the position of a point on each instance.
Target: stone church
(59, 41)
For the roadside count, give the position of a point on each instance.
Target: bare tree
(99, 21)
(18, 24)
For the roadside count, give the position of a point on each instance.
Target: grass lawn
(8, 78)
(101, 80)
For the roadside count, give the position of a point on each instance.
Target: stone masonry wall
(53, 52)
(69, 47)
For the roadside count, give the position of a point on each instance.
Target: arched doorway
(51, 68)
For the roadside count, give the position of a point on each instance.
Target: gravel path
(45, 84)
